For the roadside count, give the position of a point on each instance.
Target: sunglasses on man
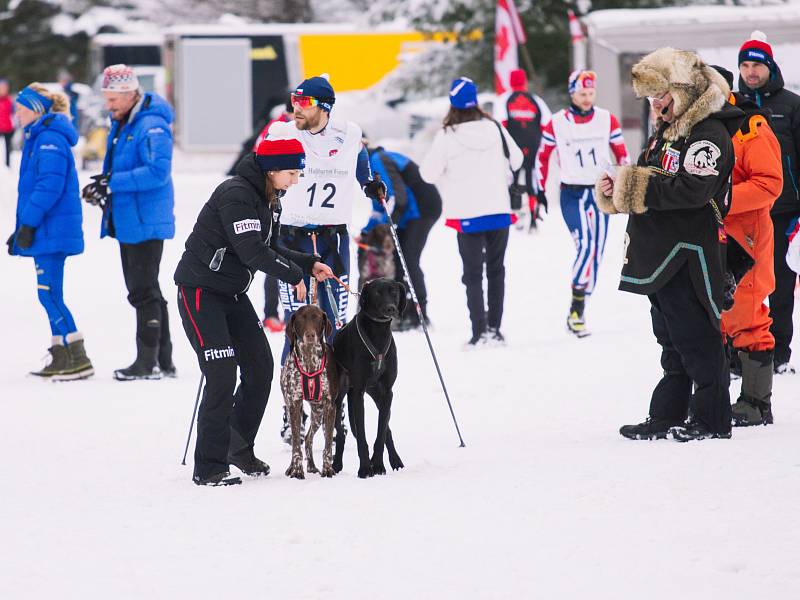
(304, 101)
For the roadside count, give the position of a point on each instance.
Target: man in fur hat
(676, 197)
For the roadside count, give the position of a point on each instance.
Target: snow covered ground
(545, 501)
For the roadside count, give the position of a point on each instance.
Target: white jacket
(466, 163)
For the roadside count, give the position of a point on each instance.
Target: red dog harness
(311, 382)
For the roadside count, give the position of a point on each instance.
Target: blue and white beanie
(320, 88)
(463, 93)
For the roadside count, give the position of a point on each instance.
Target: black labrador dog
(367, 358)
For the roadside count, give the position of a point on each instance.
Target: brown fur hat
(697, 90)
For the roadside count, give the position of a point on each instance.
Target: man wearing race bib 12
(582, 134)
(337, 173)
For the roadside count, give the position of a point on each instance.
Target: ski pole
(420, 315)
(194, 412)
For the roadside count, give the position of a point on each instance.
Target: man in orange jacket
(757, 182)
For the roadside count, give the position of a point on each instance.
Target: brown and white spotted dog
(309, 374)
(376, 255)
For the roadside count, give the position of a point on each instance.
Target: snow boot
(165, 364)
(217, 479)
(695, 430)
(649, 429)
(59, 359)
(144, 367)
(576, 324)
(78, 366)
(754, 406)
(241, 456)
(494, 337)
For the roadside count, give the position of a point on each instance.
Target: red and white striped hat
(119, 78)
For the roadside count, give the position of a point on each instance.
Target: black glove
(96, 193)
(10, 244)
(541, 200)
(728, 290)
(375, 189)
(25, 236)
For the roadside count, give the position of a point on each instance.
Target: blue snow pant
(50, 284)
(333, 245)
(588, 226)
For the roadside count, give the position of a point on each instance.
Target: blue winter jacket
(48, 196)
(378, 215)
(140, 164)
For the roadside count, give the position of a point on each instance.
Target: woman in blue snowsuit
(49, 218)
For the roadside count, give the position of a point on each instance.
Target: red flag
(508, 34)
(575, 29)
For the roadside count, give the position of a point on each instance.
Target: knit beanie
(518, 80)
(320, 88)
(463, 93)
(756, 49)
(280, 155)
(581, 80)
(119, 78)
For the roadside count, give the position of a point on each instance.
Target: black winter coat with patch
(236, 234)
(681, 223)
(784, 107)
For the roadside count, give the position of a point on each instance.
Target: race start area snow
(546, 500)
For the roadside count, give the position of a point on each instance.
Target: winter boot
(575, 322)
(754, 406)
(59, 360)
(241, 456)
(217, 479)
(165, 345)
(695, 430)
(79, 366)
(650, 429)
(165, 364)
(144, 367)
(495, 338)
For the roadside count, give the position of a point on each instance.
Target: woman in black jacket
(235, 235)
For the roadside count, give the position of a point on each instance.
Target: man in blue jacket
(416, 206)
(136, 195)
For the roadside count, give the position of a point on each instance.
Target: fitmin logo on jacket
(333, 152)
(246, 225)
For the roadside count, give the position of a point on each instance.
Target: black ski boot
(144, 367)
(241, 456)
(649, 429)
(217, 479)
(695, 430)
(576, 324)
(754, 406)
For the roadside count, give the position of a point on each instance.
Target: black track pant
(781, 301)
(140, 266)
(226, 333)
(692, 351)
(413, 238)
(7, 138)
(478, 249)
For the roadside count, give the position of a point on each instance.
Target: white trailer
(617, 39)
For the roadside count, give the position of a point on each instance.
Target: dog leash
(312, 284)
